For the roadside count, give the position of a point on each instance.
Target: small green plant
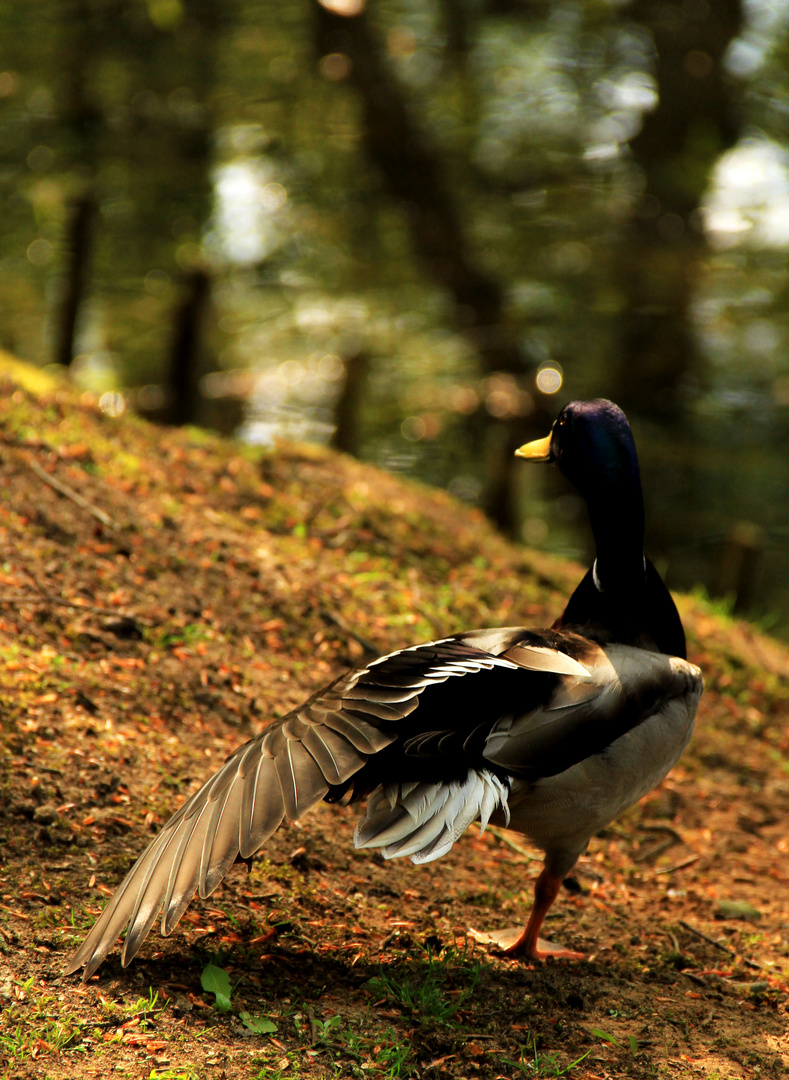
(215, 980)
(324, 1028)
(392, 1056)
(39, 1031)
(143, 1005)
(543, 1064)
(604, 1035)
(722, 606)
(187, 635)
(424, 993)
(382, 1052)
(29, 1040)
(261, 1025)
(598, 1034)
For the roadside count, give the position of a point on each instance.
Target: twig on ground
(69, 493)
(116, 1023)
(656, 849)
(313, 1026)
(321, 505)
(341, 624)
(679, 866)
(500, 834)
(646, 826)
(46, 598)
(436, 623)
(719, 945)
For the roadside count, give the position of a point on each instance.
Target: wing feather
(360, 734)
(117, 912)
(301, 780)
(336, 757)
(369, 691)
(262, 807)
(381, 710)
(224, 835)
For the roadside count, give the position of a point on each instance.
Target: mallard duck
(549, 732)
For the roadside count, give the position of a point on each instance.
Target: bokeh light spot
(549, 378)
(40, 159)
(273, 197)
(331, 367)
(113, 403)
(40, 252)
(157, 282)
(413, 428)
(335, 66)
(9, 83)
(348, 8)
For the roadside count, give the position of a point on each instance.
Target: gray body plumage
(560, 814)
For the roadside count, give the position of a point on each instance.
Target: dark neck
(644, 616)
(618, 529)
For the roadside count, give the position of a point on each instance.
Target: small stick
(679, 866)
(28, 444)
(70, 493)
(321, 505)
(313, 1027)
(432, 619)
(45, 598)
(656, 849)
(646, 827)
(718, 945)
(341, 624)
(500, 834)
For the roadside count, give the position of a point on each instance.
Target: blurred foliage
(235, 138)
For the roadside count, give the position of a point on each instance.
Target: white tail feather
(423, 821)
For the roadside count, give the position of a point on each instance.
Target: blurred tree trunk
(738, 564)
(413, 175)
(184, 369)
(78, 245)
(347, 433)
(82, 118)
(681, 139)
(455, 24)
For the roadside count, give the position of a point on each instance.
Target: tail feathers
(423, 820)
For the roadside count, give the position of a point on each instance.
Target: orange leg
(527, 942)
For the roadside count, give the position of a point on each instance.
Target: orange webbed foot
(514, 942)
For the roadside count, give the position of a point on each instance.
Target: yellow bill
(537, 450)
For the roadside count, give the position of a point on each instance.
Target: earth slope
(163, 594)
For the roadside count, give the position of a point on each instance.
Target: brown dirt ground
(224, 586)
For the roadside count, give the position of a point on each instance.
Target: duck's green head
(592, 444)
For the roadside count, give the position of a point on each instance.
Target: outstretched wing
(296, 762)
